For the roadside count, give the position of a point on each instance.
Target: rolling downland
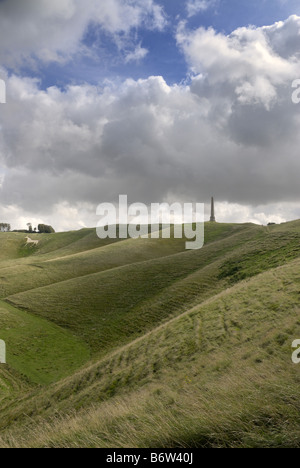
(141, 343)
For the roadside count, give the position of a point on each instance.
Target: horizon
(207, 221)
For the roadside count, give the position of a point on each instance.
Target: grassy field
(37, 348)
(140, 343)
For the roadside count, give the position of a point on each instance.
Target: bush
(43, 228)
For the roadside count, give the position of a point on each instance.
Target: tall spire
(212, 216)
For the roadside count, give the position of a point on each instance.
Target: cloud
(54, 30)
(233, 132)
(262, 214)
(194, 7)
(249, 60)
(138, 54)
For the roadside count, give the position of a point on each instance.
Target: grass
(105, 315)
(219, 375)
(188, 348)
(116, 305)
(40, 350)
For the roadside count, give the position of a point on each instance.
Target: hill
(197, 343)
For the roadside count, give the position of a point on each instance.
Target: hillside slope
(157, 334)
(218, 375)
(111, 307)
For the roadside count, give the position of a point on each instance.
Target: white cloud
(196, 6)
(262, 214)
(138, 54)
(53, 30)
(246, 60)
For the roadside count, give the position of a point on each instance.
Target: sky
(161, 100)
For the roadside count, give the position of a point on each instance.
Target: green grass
(218, 375)
(69, 255)
(40, 350)
(105, 315)
(188, 348)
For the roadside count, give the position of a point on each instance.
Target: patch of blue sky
(103, 56)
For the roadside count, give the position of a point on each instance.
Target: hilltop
(141, 334)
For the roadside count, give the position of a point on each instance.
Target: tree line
(41, 229)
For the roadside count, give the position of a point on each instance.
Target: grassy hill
(108, 341)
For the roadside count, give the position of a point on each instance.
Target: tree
(5, 227)
(29, 225)
(44, 228)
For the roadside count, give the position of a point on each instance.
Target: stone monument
(212, 214)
